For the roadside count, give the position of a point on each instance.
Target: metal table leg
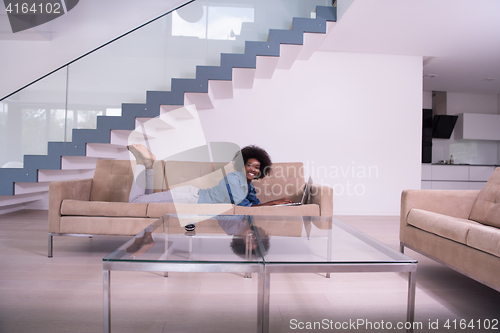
(411, 299)
(107, 303)
(266, 285)
(260, 302)
(263, 302)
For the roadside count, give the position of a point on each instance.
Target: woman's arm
(281, 201)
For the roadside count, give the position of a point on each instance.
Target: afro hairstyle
(259, 154)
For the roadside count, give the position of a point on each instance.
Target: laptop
(305, 195)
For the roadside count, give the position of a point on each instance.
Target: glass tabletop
(316, 240)
(254, 239)
(215, 239)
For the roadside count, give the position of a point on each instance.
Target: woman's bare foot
(135, 246)
(147, 242)
(142, 155)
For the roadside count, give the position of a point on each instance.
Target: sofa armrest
(323, 196)
(62, 190)
(456, 203)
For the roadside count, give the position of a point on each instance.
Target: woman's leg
(142, 186)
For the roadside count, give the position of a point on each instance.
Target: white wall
(471, 103)
(354, 120)
(498, 143)
(427, 100)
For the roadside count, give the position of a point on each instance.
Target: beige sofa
(99, 206)
(459, 229)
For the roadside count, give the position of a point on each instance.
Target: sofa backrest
(113, 179)
(198, 174)
(486, 209)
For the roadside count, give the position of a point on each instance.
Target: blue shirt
(251, 198)
(233, 225)
(232, 189)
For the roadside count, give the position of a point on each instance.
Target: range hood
(443, 125)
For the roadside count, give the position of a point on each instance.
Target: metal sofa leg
(50, 245)
(401, 247)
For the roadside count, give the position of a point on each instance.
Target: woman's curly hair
(259, 154)
(238, 244)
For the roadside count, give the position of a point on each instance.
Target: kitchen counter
(491, 165)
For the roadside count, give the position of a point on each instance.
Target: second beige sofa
(458, 228)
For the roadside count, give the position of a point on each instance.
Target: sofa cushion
(101, 208)
(159, 209)
(303, 210)
(485, 238)
(453, 228)
(487, 207)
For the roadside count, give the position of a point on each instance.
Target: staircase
(163, 110)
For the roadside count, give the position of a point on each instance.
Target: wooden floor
(64, 293)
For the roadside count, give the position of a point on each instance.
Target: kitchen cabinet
(478, 126)
(455, 176)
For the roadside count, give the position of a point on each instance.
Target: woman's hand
(281, 201)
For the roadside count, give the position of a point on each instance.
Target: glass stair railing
(159, 64)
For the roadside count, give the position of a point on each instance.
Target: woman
(236, 187)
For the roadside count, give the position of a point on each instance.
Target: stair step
(330, 26)
(203, 101)
(311, 43)
(221, 89)
(120, 137)
(78, 163)
(162, 122)
(52, 175)
(20, 199)
(179, 111)
(25, 188)
(327, 12)
(243, 78)
(265, 67)
(288, 55)
(103, 150)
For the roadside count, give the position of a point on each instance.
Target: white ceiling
(459, 39)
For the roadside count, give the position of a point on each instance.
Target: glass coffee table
(255, 244)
